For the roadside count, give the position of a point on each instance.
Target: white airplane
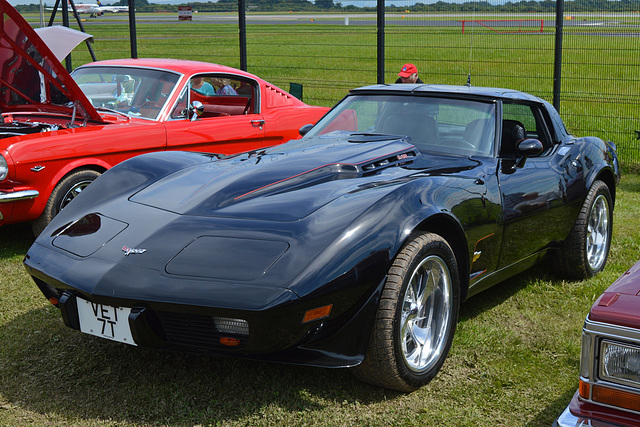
(95, 10)
(113, 9)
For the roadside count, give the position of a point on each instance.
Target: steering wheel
(151, 105)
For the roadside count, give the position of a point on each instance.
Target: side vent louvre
(277, 98)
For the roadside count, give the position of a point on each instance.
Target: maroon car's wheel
(63, 193)
(416, 317)
(585, 251)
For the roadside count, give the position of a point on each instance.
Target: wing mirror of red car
(305, 129)
(196, 109)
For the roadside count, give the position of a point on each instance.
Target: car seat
(512, 133)
(422, 129)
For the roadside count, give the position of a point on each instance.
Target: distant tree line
(329, 5)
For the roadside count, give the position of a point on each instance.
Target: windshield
(137, 92)
(444, 125)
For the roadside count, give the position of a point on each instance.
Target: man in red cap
(408, 74)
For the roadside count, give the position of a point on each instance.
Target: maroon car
(609, 391)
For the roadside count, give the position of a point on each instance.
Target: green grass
(515, 357)
(599, 64)
(514, 361)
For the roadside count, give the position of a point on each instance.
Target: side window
(179, 110)
(467, 127)
(221, 95)
(521, 121)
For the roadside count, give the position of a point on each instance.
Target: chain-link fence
(331, 47)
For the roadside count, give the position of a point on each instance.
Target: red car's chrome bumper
(18, 195)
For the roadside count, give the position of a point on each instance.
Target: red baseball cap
(407, 70)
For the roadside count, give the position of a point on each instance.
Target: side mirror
(527, 148)
(196, 109)
(530, 147)
(305, 129)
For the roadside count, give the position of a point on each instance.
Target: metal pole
(65, 22)
(53, 14)
(132, 29)
(242, 25)
(557, 64)
(380, 14)
(79, 21)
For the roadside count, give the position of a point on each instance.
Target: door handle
(257, 122)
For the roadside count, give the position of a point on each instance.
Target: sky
(52, 2)
(106, 2)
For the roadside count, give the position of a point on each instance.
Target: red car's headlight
(4, 168)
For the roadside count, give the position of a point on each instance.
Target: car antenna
(473, 16)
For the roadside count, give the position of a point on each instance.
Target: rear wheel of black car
(584, 253)
(63, 193)
(416, 317)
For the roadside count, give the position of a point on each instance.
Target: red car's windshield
(138, 92)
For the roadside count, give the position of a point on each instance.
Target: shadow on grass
(629, 183)
(15, 239)
(499, 293)
(553, 409)
(48, 368)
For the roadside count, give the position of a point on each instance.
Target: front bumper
(18, 195)
(169, 312)
(591, 415)
(567, 419)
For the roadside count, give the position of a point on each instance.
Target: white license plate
(105, 321)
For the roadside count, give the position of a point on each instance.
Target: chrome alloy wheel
(73, 192)
(426, 314)
(598, 233)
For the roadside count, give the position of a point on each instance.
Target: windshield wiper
(111, 110)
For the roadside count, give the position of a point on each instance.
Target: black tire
(395, 358)
(584, 253)
(65, 191)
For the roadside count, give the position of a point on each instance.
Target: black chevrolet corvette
(352, 247)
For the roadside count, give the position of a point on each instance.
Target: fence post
(242, 24)
(380, 14)
(65, 22)
(557, 63)
(132, 29)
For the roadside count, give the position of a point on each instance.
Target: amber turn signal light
(584, 390)
(619, 398)
(317, 313)
(228, 341)
(53, 300)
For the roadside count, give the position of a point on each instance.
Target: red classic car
(609, 390)
(59, 132)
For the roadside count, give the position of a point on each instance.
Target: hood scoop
(215, 187)
(397, 159)
(374, 137)
(335, 171)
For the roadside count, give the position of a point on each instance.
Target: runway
(369, 19)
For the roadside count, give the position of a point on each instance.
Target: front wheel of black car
(416, 317)
(584, 253)
(63, 193)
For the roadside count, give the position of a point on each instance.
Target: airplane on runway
(95, 10)
(113, 9)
